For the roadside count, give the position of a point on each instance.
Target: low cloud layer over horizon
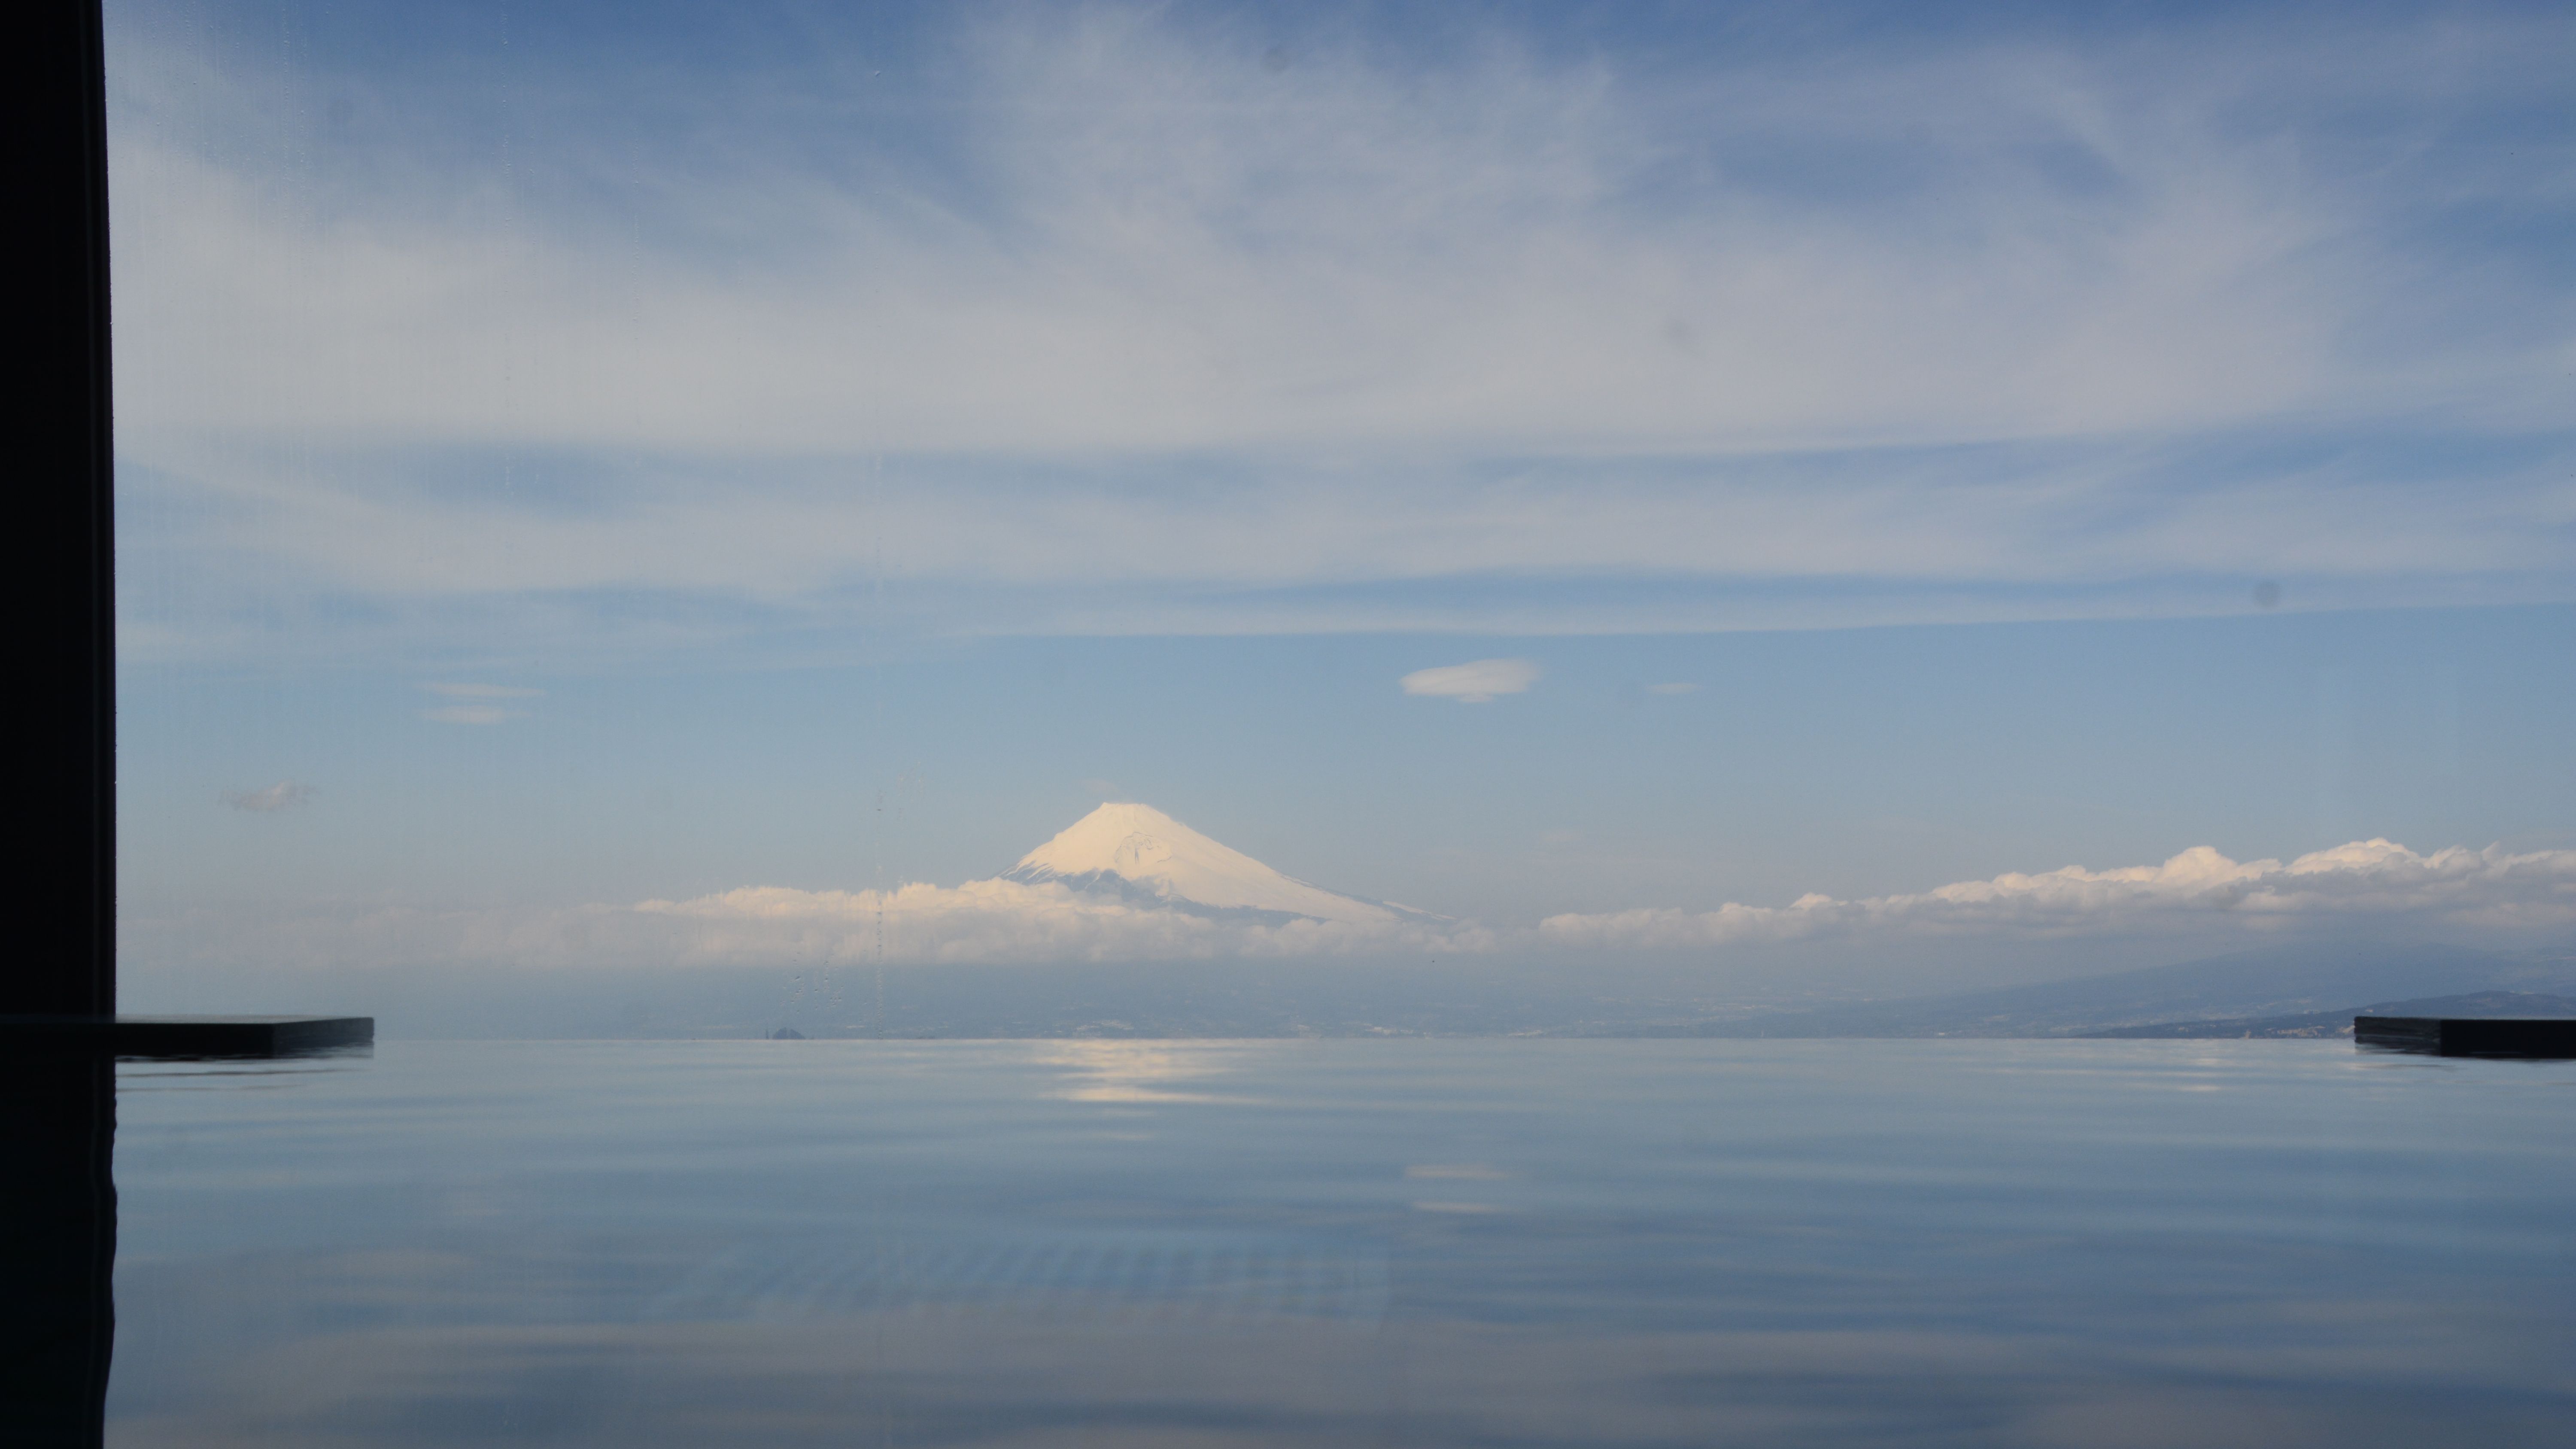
(2199, 899)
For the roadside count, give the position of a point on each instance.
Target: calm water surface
(1510, 1243)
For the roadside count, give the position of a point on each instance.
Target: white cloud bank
(2491, 890)
(2199, 896)
(1005, 921)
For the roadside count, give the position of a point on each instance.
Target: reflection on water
(1402, 1242)
(1137, 1071)
(1099, 1278)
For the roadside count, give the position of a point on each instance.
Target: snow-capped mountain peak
(1144, 850)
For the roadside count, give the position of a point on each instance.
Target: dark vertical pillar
(61, 563)
(57, 1118)
(57, 1250)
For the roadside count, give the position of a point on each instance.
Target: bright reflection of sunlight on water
(1135, 1071)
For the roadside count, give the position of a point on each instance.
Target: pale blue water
(1511, 1243)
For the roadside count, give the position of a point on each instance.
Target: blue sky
(599, 454)
(1852, 762)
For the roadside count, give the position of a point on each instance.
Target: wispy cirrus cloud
(1139, 238)
(1132, 332)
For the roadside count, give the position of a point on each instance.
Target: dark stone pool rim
(182, 1036)
(2456, 1036)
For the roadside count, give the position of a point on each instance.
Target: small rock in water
(787, 1033)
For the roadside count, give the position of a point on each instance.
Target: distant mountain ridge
(2242, 986)
(2338, 1023)
(1139, 853)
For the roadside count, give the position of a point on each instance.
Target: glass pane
(1102, 542)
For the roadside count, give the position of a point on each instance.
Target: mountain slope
(2339, 1023)
(2280, 981)
(1138, 851)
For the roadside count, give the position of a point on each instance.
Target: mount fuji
(1144, 855)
